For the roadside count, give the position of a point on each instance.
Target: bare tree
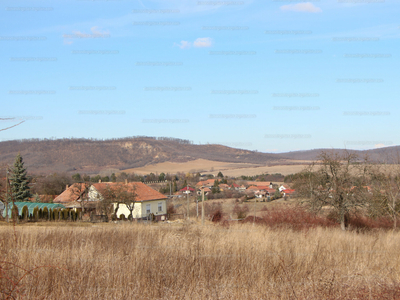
(80, 191)
(337, 181)
(386, 190)
(120, 193)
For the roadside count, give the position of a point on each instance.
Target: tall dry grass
(133, 261)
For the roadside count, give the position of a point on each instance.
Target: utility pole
(202, 206)
(197, 207)
(254, 218)
(6, 200)
(187, 196)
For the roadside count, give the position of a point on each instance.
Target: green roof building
(31, 206)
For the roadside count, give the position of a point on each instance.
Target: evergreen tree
(184, 184)
(76, 177)
(113, 177)
(19, 181)
(37, 198)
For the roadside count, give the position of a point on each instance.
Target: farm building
(31, 206)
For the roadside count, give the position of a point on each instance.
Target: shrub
(114, 217)
(25, 213)
(296, 218)
(217, 215)
(363, 223)
(15, 213)
(122, 217)
(151, 217)
(36, 214)
(73, 215)
(40, 214)
(65, 214)
(170, 210)
(45, 214)
(240, 211)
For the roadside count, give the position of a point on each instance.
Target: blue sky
(271, 76)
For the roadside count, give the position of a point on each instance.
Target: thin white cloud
(202, 42)
(301, 7)
(184, 45)
(95, 33)
(198, 43)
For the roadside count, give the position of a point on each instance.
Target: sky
(265, 75)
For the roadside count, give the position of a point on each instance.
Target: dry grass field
(187, 261)
(228, 169)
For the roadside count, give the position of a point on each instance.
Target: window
(147, 208)
(159, 206)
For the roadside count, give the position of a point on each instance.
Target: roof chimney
(66, 187)
(99, 180)
(126, 181)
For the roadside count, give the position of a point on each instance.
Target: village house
(187, 190)
(148, 201)
(207, 183)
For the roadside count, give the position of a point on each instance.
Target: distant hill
(383, 155)
(92, 156)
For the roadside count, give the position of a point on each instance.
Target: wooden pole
(202, 206)
(7, 194)
(187, 196)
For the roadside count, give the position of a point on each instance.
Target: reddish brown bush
(296, 218)
(362, 223)
(240, 211)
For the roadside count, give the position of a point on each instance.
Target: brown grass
(190, 262)
(228, 169)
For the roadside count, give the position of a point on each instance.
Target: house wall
(140, 209)
(93, 194)
(154, 208)
(137, 210)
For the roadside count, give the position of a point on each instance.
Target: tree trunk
(344, 220)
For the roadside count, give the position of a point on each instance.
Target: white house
(148, 201)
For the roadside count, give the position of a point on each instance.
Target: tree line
(348, 185)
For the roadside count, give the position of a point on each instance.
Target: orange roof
(253, 187)
(206, 182)
(143, 192)
(71, 194)
(257, 183)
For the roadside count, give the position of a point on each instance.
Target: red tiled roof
(288, 191)
(71, 194)
(143, 192)
(206, 182)
(257, 183)
(253, 187)
(186, 188)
